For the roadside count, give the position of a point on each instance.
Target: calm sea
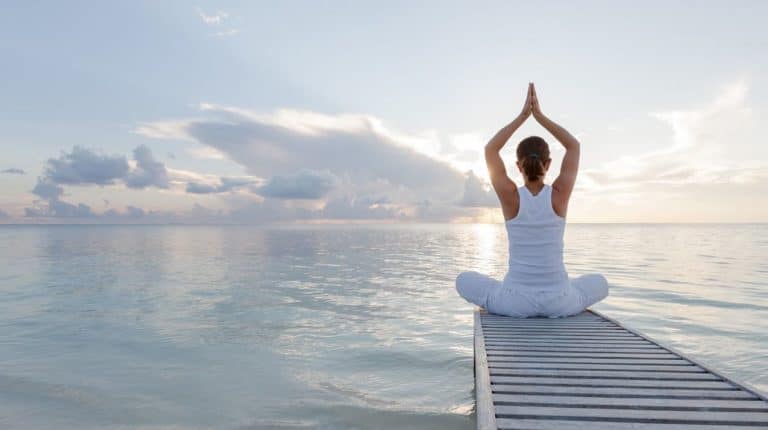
(340, 327)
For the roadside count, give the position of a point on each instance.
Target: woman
(536, 283)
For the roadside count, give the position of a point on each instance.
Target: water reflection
(486, 254)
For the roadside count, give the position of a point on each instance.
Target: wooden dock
(589, 372)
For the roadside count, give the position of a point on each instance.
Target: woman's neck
(534, 186)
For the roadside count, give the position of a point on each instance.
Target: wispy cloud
(708, 145)
(710, 168)
(217, 19)
(213, 19)
(205, 153)
(13, 171)
(220, 185)
(227, 33)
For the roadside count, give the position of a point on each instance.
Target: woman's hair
(533, 153)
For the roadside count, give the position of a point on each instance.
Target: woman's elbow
(490, 150)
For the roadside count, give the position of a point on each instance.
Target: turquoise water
(331, 327)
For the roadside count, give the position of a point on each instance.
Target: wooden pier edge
(484, 407)
(735, 381)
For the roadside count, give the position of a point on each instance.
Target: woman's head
(533, 158)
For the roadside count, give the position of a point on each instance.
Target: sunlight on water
(485, 256)
(324, 327)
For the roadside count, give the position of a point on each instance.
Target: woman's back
(536, 245)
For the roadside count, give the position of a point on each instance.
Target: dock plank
(558, 336)
(572, 342)
(590, 372)
(692, 368)
(540, 348)
(581, 354)
(634, 415)
(671, 384)
(580, 373)
(630, 393)
(628, 361)
(537, 424)
(744, 405)
(567, 346)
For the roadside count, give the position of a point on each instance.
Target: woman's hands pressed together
(528, 105)
(535, 107)
(531, 105)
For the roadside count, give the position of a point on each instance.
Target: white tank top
(536, 245)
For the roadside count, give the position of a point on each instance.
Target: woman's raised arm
(562, 187)
(502, 184)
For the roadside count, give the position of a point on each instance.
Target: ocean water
(329, 327)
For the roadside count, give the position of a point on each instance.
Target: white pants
(496, 298)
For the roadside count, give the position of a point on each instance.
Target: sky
(258, 112)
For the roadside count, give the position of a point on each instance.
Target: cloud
(361, 208)
(206, 153)
(709, 169)
(47, 190)
(704, 142)
(363, 163)
(307, 184)
(224, 185)
(148, 172)
(59, 209)
(198, 188)
(83, 166)
(134, 212)
(477, 193)
(4, 214)
(368, 158)
(13, 171)
(62, 209)
(131, 212)
(341, 208)
(215, 19)
(379, 172)
(268, 211)
(51, 204)
(226, 33)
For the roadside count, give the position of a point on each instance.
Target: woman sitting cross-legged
(536, 283)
